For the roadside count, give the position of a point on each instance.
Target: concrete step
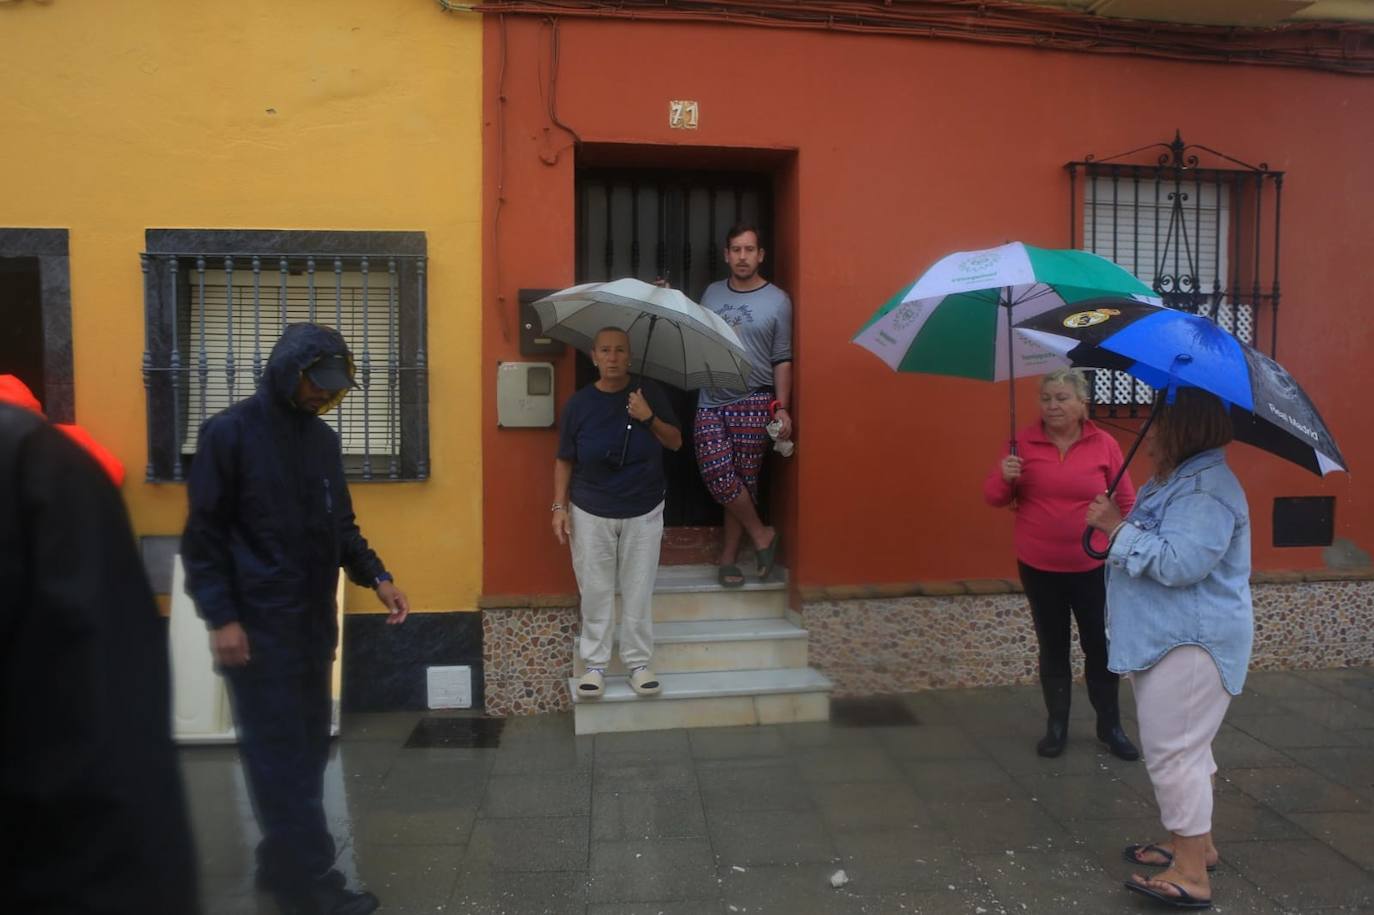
(691, 592)
(702, 645)
(706, 699)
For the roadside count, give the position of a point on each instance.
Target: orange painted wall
(895, 152)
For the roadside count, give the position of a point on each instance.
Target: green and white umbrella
(957, 318)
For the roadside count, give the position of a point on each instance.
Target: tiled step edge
(713, 684)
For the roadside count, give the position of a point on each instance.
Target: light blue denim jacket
(1179, 572)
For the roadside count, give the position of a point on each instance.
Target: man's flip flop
(768, 556)
(730, 577)
(1184, 899)
(1130, 852)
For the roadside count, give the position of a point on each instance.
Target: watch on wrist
(650, 421)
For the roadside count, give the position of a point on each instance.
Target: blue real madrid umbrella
(1169, 349)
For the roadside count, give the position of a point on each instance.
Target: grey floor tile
(630, 773)
(524, 758)
(653, 869)
(532, 844)
(1235, 749)
(1300, 873)
(443, 778)
(809, 734)
(392, 727)
(1047, 881)
(1289, 731)
(1296, 789)
(389, 823)
(1069, 798)
(1352, 767)
(1082, 756)
(762, 784)
(970, 780)
(904, 860)
(645, 744)
(756, 837)
(542, 794)
(936, 741)
(1016, 825)
(633, 815)
(1283, 685)
(480, 891)
(1338, 714)
(733, 743)
(847, 764)
(1236, 815)
(418, 877)
(788, 890)
(670, 907)
(1253, 704)
(868, 805)
(1350, 834)
(974, 899)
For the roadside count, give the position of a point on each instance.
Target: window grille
(213, 317)
(1204, 238)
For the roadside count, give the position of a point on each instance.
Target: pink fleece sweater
(1051, 497)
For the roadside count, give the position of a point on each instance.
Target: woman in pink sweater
(1061, 464)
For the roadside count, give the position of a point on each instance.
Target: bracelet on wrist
(1111, 538)
(557, 507)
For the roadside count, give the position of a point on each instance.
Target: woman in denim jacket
(1180, 626)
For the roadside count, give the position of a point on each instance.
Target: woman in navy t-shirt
(608, 489)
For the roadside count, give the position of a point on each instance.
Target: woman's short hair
(1195, 422)
(610, 329)
(1077, 379)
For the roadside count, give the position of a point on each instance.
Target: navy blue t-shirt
(591, 436)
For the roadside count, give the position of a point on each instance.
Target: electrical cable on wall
(1333, 46)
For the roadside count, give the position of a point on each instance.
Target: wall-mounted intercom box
(532, 340)
(524, 395)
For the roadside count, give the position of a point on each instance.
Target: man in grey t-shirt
(729, 433)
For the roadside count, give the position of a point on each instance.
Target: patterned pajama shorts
(730, 444)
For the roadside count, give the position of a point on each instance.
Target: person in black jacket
(92, 812)
(270, 524)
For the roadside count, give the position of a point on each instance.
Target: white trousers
(1179, 704)
(611, 553)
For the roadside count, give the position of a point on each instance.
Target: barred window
(1203, 238)
(217, 300)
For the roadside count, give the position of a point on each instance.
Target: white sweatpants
(1180, 703)
(616, 552)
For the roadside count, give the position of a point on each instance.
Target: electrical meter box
(524, 395)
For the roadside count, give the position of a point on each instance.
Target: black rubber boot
(1058, 693)
(1103, 695)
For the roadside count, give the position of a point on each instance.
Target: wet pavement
(930, 802)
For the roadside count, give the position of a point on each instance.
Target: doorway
(668, 223)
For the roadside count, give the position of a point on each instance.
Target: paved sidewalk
(950, 813)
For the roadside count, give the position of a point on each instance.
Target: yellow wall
(318, 114)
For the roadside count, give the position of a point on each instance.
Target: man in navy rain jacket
(270, 524)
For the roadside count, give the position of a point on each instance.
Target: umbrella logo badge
(979, 263)
(1089, 318)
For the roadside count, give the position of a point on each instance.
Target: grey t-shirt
(762, 318)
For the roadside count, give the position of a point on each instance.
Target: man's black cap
(331, 373)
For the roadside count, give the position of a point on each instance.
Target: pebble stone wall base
(870, 645)
(527, 654)
(931, 635)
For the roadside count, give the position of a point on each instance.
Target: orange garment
(15, 392)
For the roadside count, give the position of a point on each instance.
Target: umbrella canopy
(956, 319)
(672, 338)
(1166, 348)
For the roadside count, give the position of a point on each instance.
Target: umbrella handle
(1088, 547)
